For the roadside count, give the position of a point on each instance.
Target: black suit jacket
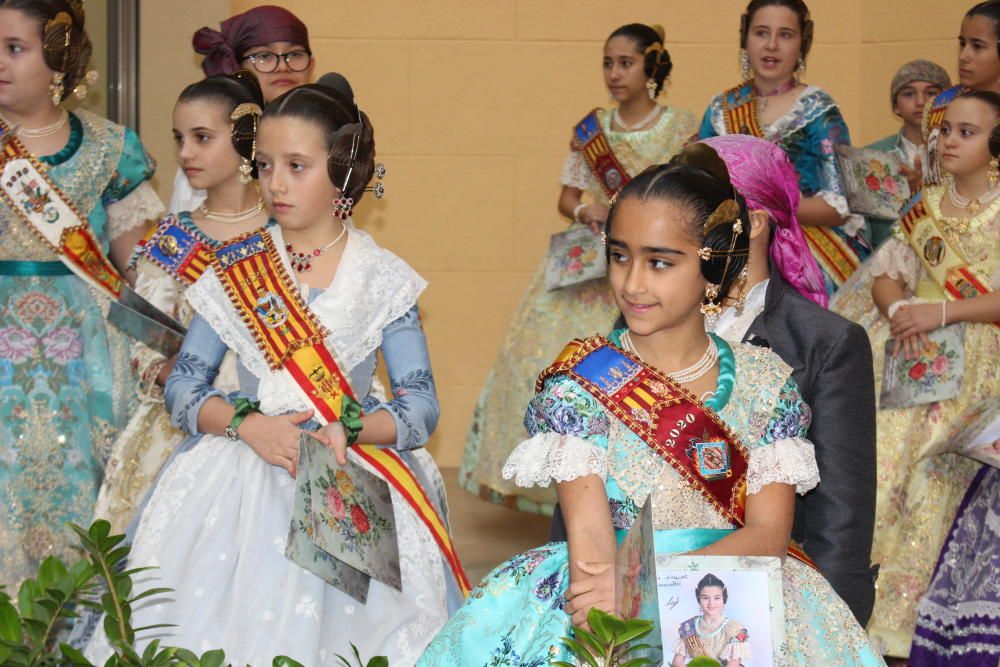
(831, 362)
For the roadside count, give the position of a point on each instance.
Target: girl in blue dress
(65, 386)
(677, 238)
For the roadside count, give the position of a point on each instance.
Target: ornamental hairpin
(241, 111)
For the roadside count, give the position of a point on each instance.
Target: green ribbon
(350, 417)
(245, 406)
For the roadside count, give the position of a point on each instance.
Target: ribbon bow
(350, 417)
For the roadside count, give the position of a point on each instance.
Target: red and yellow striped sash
(290, 336)
(834, 255)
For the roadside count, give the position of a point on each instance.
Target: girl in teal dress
(677, 238)
(64, 378)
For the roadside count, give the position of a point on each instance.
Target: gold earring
(246, 171)
(800, 69)
(993, 174)
(651, 88)
(741, 289)
(710, 308)
(745, 64)
(56, 88)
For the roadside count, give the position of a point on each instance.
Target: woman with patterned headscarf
(271, 42)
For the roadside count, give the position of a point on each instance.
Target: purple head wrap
(761, 172)
(261, 25)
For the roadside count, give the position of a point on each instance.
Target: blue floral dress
(809, 134)
(65, 385)
(515, 616)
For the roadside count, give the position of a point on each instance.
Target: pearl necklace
(616, 117)
(713, 633)
(232, 218)
(685, 375)
(302, 261)
(38, 133)
(972, 205)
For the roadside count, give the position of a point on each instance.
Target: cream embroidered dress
(65, 385)
(919, 487)
(140, 451)
(545, 320)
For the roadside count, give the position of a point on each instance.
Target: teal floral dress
(65, 386)
(515, 617)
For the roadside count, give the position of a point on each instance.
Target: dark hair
(991, 10)
(711, 580)
(341, 121)
(991, 98)
(798, 6)
(656, 60)
(71, 61)
(688, 183)
(230, 91)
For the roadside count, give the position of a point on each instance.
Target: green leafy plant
(703, 661)
(47, 605)
(377, 661)
(610, 642)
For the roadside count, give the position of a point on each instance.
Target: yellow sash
(52, 217)
(942, 261)
(291, 338)
(832, 253)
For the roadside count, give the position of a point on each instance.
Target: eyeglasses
(266, 62)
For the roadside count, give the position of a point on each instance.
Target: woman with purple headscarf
(271, 42)
(831, 360)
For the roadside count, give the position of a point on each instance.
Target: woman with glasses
(271, 42)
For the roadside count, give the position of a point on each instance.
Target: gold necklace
(232, 218)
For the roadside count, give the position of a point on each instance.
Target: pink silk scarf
(761, 172)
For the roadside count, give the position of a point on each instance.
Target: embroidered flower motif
(335, 503)
(360, 519)
(567, 420)
(873, 182)
(344, 483)
(62, 345)
(918, 370)
(940, 365)
(548, 586)
(306, 607)
(17, 344)
(38, 308)
(891, 185)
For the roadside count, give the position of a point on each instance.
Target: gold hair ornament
(241, 111)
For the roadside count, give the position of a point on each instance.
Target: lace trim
(553, 456)
(574, 172)
(372, 289)
(852, 222)
(785, 461)
(137, 208)
(896, 259)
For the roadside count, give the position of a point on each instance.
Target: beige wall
(473, 101)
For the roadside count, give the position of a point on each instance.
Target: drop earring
(343, 207)
(56, 88)
(745, 64)
(993, 173)
(741, 289)
(800, 69)
(710, 308)
(246, 171)
(651, 88)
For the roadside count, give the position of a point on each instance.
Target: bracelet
(350, 418)
(243, 407)
(894, 306)
(944, 314)
(576, 212)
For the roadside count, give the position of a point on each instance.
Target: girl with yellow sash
(608, 147)
(773, 103)
(942, 267)
(74, 199)
(717, 446)
(215, 125)
(306, 305)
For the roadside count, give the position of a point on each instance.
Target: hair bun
(338, 83)
(658, 29)
(704, 157)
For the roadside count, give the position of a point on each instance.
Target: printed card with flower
(346, 512)
(975, 433)
(936, 375)
(575, 256)
(874, 184)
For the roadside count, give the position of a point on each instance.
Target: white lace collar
(371, 289)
